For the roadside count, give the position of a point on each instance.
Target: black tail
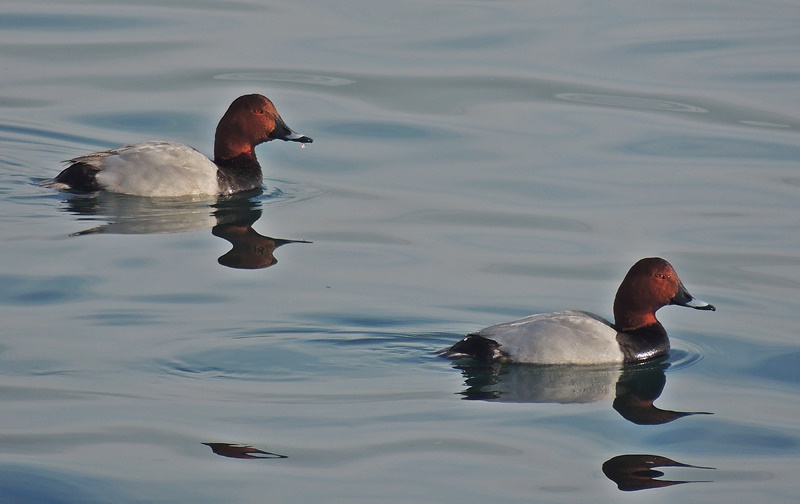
(80, 177)
(473, 347)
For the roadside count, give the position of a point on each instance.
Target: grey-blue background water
(473, 161)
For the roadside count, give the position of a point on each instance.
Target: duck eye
(660, 276)
(259, 111)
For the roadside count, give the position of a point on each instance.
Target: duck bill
(297, 137)
(283, 132)
(683, 298)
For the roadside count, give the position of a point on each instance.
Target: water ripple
(31, 290)
(633, 102)
(294, 78)
(72, 22)
(684, 354)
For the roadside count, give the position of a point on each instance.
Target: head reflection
(250, 250)
(241, 451)
(637, 472)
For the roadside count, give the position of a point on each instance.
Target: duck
(170, 169)
(579, 337)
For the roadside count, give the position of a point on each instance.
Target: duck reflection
(250, 249)
(632, 389)
(241, 451)
(637, 472)
(230, 218)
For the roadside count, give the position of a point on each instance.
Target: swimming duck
(579, 337)
(174, 169)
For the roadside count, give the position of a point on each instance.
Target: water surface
(473, 162)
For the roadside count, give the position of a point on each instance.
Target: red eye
(258, 111)
(660, 276)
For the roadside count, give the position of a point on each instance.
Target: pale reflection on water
(229, 218)
(631, 389)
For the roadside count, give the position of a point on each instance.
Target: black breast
(645, 343)
(238, 174)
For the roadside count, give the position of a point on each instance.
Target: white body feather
(154, 169)
(565, 337)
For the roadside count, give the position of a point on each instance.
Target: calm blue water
(473, 162)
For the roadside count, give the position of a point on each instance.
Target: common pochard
(174, 169)
(578, 337)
